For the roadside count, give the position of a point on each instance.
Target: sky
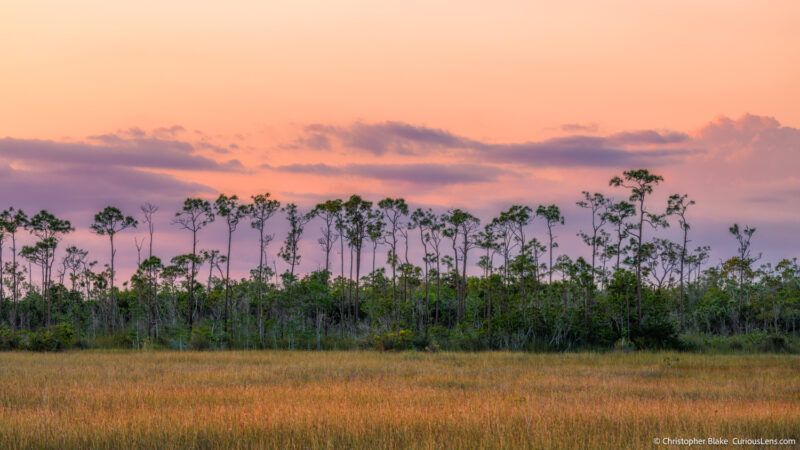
(477, 105)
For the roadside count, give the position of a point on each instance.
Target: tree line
(637, 289)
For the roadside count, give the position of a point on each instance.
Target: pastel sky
(469, 104)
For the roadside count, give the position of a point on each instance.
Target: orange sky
(250, 77)
(500, 70)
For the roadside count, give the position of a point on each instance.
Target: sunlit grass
(379, 400)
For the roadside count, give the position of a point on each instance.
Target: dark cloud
(314, 141)
(113, 150)
(622, 149)
(398, 137)
(209, 146)
(581, 151)
(79, 191)
(423, 173)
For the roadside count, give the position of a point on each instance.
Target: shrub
(8, 339)
(394, 340)
(202, 338)
(657, 332)
(623, 345)
(776, 343)
(56, 338)
(63, 336)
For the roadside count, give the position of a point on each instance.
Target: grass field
(379, 400)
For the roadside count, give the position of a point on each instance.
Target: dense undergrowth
(63, 337)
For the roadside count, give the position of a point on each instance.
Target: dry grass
(374, 400)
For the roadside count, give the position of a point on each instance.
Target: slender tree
(149, 210)
(290, 250)
(435, 227)
(359, 215)
(147, 275)
(461, 230)
(214, 259)
(617, 215)
(13, 221)
(422, 221)
(375, 234)
(73, 261)
(640, 182)
(261, 210)
(231, 211)
(49, 229)
(394, 210)
(487, 240)
(194, 216)
(109, 222)
(506, 242)
(329, 211)
(517, 219)
(744, 254)
(597, 204)
(552, 217)
(678, 205)
(3, 235)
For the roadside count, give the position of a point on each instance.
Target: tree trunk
(190, 304)
(639, 263)
(227, 283)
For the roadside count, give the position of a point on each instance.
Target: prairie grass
(282, 399)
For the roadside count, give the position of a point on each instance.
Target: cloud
(115, 150)
(580, 128)
(314, 141)
(647, 137)
(419, 173)
(760, 147)
(583, 151)
(776, 196)
(215, 148)
(80, 190)
(171, 131)
(629, 148)
(77, 178)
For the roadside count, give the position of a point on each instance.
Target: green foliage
(656, 333)
(55, 338)
(203, 338)
(394, 340)
(757, 341)
(9, 340)
(632, 294)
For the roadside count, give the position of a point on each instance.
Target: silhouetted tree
(261, 210)
(328, 211)
(290, 250)
(393, 211)
(109, 222)
(12, 221)
(195, 215)
(49, 229)
(678, 205)
(552, 217)
(359, 216)
(640, 182)
(231, 212)
(462, 227)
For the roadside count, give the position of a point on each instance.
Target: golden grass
(377, 400)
